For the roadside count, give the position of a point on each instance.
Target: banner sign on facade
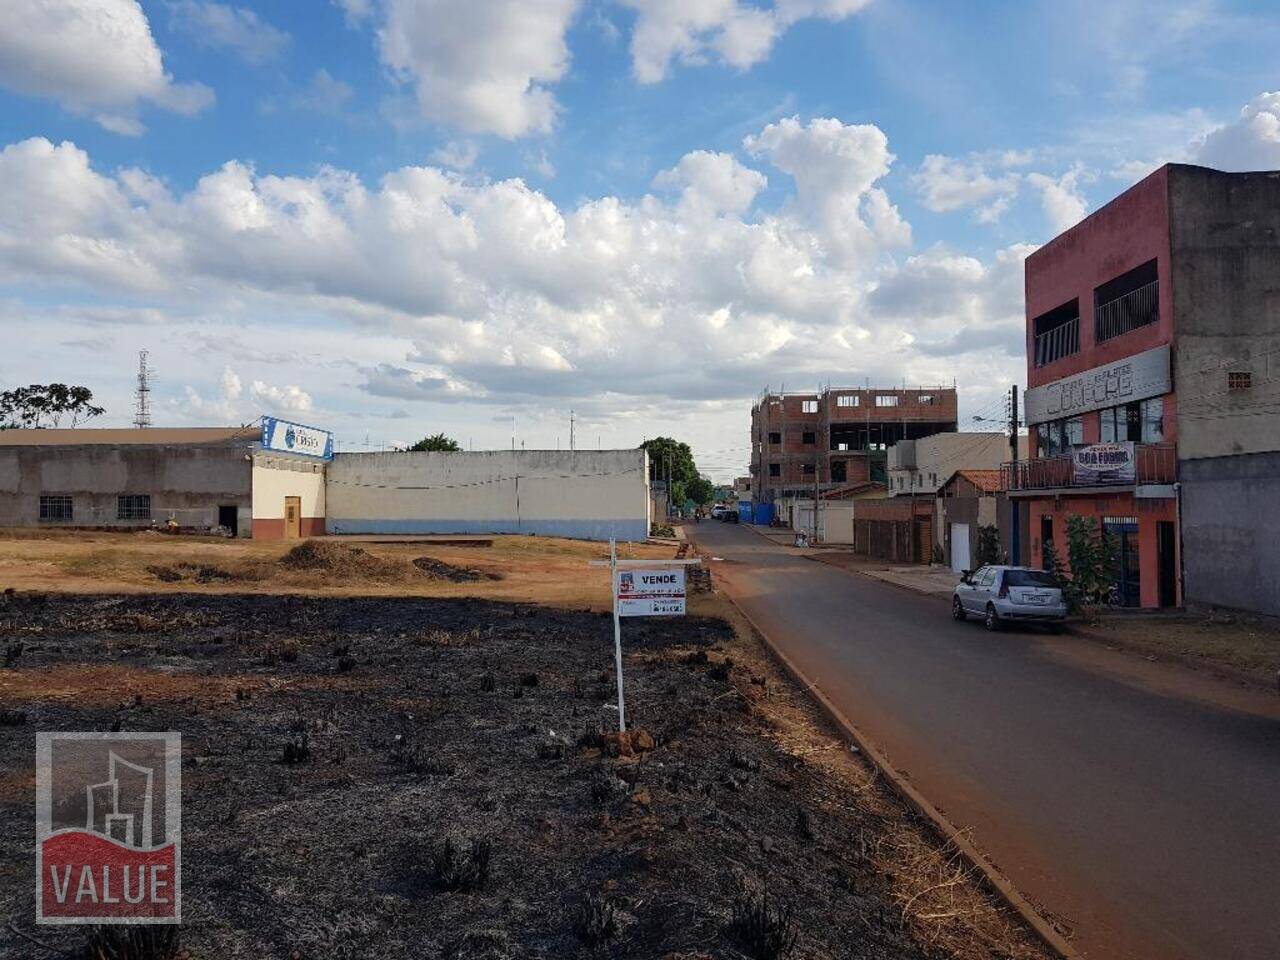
(1137, 377)
(651, 593)
(286, 437)
(1105, 463)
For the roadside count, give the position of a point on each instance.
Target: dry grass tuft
(328, 557)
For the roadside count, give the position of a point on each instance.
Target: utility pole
(1015, 533)
(815, 496)
(571, 425)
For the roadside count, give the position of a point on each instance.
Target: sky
(392, 218)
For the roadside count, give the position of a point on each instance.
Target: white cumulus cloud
(949, 183)
(486, 66)
(287, 399)
(94, 57)
(1251, 142)
(1061, 197)
(431, 286)
(733, 32)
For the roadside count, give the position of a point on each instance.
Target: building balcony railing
(1154, 463)
(1062, 341)
(1135, 309)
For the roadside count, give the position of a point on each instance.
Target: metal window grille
(847, 400)
(1061, 341)
(134, 507)
(55, 508)
(1239, 379)
(808, 406)
(886, 400)
(1129, 312)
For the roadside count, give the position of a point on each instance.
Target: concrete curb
(997, 882)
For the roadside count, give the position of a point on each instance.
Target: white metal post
(617, 633)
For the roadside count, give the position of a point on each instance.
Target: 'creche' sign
(286, 437)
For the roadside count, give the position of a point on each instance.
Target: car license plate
(1038, 598)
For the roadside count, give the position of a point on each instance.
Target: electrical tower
(142, 396)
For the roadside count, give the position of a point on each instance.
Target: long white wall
(587, 494)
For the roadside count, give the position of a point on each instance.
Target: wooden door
(292, 518)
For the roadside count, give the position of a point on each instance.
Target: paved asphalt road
(1148, 820)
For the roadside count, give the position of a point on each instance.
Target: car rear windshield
(1030, 578)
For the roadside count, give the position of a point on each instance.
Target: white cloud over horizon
(487, 292)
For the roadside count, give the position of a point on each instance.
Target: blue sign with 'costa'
(297, 438)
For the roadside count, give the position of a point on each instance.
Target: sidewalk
(786, 537)
(935, 581)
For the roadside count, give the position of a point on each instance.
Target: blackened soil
(427, 719)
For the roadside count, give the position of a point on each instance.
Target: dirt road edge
(997, 882)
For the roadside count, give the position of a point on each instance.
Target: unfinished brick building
(838, 436)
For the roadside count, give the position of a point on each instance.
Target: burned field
(420, 778)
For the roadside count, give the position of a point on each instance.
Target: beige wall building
(586, 494)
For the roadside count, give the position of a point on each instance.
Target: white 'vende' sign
(651, 593)
(640, 592)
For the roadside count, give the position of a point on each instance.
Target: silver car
(997, 594)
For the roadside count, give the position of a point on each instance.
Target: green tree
(988, 544)
(1092, 555)
(44, 405)
(700, 490)
(1070, 592)
(438, 443)
(668, 457)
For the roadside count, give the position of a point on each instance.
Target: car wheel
(992, 620)
(957, 609)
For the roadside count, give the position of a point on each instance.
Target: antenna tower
(142, 396)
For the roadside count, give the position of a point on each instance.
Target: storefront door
(1128, 587)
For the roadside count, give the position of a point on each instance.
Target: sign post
(641, 588)
(617, 633)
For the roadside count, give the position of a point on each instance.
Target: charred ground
(374, 777)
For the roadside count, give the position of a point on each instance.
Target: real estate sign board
(651, 593)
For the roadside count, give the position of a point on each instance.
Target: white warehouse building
(585, 494)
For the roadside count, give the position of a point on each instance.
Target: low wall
(1231, 531)
(584, 494)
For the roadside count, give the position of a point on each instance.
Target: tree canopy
(667, 455)
(44, 405)
(437, 443)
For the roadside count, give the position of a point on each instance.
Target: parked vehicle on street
(730, 515)
(717, 511)
(998, 594)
